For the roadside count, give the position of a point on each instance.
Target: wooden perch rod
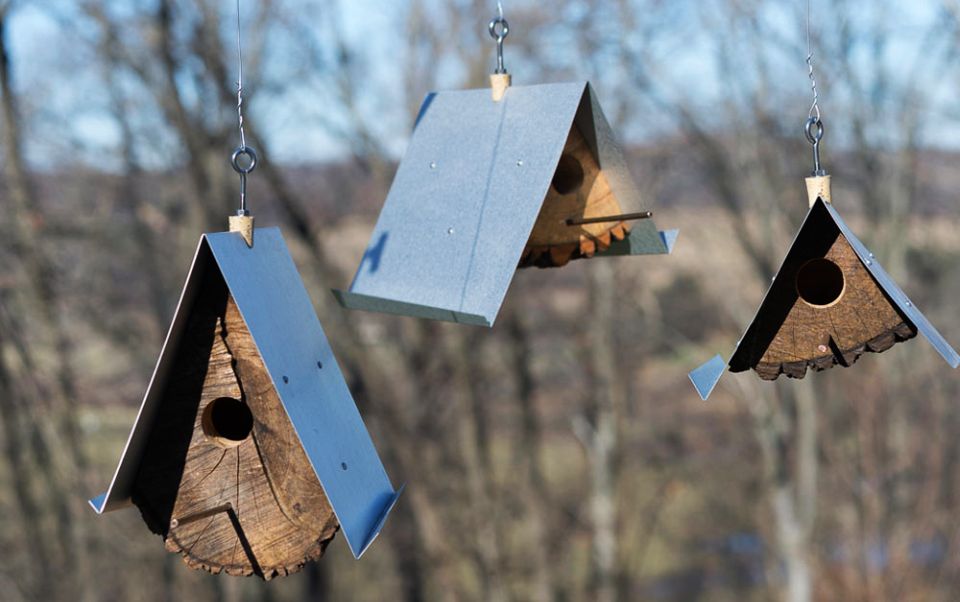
(580, 221)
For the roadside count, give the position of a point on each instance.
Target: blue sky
(62, 85)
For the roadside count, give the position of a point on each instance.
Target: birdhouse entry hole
(569, 175)
(227, 421)
(820, 282)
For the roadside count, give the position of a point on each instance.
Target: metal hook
(814, 137)
(499, 37)
(243, 151)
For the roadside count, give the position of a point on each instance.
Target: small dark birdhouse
(249, 454)
(829, 303)
(486, 186)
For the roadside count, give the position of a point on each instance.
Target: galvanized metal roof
(705, 377)
(277, 309)
(467, 194)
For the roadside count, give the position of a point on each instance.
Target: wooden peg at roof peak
(244, 225)
(499, 82)
(818, 187)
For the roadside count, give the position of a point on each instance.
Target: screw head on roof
(433, 165)
(285, 379)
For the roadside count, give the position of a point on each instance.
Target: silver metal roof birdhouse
(486, 186)
(248, 453)
(830, 302)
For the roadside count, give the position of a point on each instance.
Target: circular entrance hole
(569, 175)
(227, 421)
(820, 282)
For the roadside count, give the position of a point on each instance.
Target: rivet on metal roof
(520, 163)
(450, 230)
(433, 165)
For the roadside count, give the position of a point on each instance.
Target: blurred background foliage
(562, 455)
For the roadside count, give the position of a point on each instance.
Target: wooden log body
(245, 507)
(819, 337)
(579, 189)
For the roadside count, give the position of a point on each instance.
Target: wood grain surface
(552, 242)
(862, 320)
(256, 508)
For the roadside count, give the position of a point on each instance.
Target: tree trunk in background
(792, 544)
(317, 583)
(409, 554)
(484, 541)
(212, 200)
(15, 449)
(792, 484)
(597, 429)
(534, 482)
(144, 228)
(63, 459)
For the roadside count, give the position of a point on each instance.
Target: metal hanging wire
(813, 130)
(499, 29)
(244, 158)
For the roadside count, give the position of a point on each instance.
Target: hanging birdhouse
(529, 177)
(249, 454)
(829, 303)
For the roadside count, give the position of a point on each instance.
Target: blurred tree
(561, 455)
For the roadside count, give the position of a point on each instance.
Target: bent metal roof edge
(289, 338)
(706, 376)
(467, 194)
